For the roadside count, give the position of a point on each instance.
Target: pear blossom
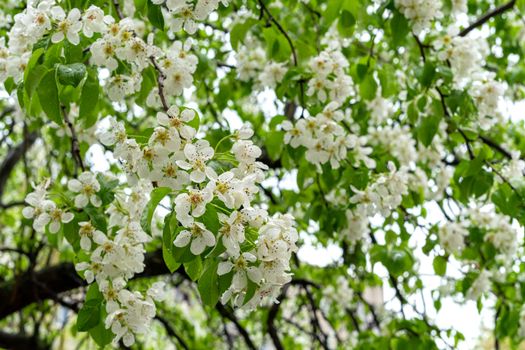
(68, 27)
(197, 155)
(198, 235)
(86, 186)
(93, 21)
(176, 119)
(242, 270)
(194, 203)
(232, 232)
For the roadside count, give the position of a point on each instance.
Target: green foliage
(147, 215)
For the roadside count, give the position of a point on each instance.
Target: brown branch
(264, 9)
(270, 320)
(483, 19)
(11, 341)
(160, 82)
(118, 9)
(14, 155)
(226, 313)
(27, 288)
(75, 148)
(171, 332)
(489, 142)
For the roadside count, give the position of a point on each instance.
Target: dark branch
(483, 19)
(20, 342)
(171, 332)
(226, 313)
(75, 148)
(49, 282)
(12, 158)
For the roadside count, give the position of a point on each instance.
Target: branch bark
(231, 316)
(483, 19)
(20, 342)
(12, 158)
(49, 282)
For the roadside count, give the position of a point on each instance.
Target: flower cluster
(115, 257)
(452, 237)
(44, 211)
(34, 23)
(466, 58)
(380, 197)
(397, 140)
(184, 14)
(420, 12)
(252, 65)
(326, 139)
(172, 158)
(267, 266)
(383, 195)
(496, 228)
(465, 54)
(330, 80)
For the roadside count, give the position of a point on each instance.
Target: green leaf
(332, 10)
(440, 265)
(368, 87)
(277, 48)
(155, 15)
(427, 74)
(101, 335)
(250, 291)
(71, 74)
(210, 218)
(147, 215)
(195, 122)
(239, 31)
(98, 218)
(33, 78)
(208, 284)
(427, 129)
(346, 23)
(167, 245)
(274, 144)
(388, 80)
(33, 61)
(89, 316)
(399, 28)
(48, 95)
(93, 293)
(89, 100)
(194, 268)
(107, 186)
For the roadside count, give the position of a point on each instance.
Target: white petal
(85, 243)
(224, 267)
(67, 217)
(54, 227)
(28, 212)
(81, 201)
(57, 37)
(74, 185)
(182, 239)
(197, 246)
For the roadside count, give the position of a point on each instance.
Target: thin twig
(483, 19)
(75, 149)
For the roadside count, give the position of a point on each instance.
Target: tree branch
(171, 332)
(231, 316)
(483, 19)
(12, 158)
(21, 342)
(49, 282)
